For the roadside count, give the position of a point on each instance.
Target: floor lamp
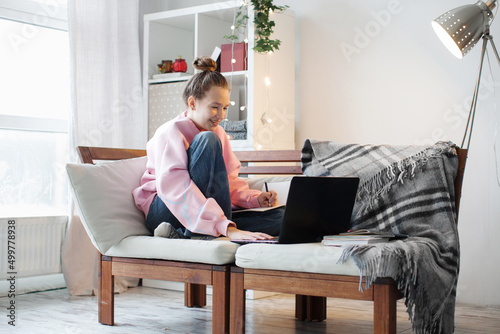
(460, 29)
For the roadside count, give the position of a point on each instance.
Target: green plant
(263, 25)
(240, 25)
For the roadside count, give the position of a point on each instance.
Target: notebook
(315, 207)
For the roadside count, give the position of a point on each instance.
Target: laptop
(315, 207)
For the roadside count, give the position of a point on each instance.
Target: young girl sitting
(191, 185)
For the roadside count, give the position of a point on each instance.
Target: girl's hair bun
(205, 64)
(203, 81)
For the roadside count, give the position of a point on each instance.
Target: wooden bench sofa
(316, 274)
(119, 256)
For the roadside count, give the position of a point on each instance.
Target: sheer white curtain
(106, 106)
(106, 70)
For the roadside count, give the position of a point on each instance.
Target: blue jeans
(265, 221)
(207, 170)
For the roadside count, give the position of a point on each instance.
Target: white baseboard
(32, 284)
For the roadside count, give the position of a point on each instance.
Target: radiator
(37, 247)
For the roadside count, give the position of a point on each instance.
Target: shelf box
(238, 52)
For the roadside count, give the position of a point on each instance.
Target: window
(34, 109)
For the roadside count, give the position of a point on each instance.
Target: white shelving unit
(196, 31)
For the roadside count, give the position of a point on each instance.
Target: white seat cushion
(309, 258)
(218, 251)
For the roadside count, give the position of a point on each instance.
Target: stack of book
(358, 237)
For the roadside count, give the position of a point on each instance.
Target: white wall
(400, 85)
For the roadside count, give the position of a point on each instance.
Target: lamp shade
(461, 28)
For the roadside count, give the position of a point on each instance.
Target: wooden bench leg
(106, 291)
(310, 308)
(237, 302)
(195, 295)
(220, 299)
(384, 308)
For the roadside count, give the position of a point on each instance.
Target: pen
(267, 190)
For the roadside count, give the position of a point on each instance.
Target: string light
(266, 119)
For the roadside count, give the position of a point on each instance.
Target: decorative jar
(180, 65)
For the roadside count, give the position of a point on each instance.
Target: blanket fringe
(381, 183)
(394, 260)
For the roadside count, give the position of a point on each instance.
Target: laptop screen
(317, 206)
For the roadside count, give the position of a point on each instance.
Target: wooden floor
(148, 310)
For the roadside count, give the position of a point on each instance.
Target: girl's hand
(234, 234)
(268, 198)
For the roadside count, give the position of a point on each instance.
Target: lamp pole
(460, 29)
(472, 112)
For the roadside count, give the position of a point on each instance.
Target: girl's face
(206, 113)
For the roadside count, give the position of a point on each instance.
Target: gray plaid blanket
(403, 190)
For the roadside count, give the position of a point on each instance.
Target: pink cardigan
(167, 175)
